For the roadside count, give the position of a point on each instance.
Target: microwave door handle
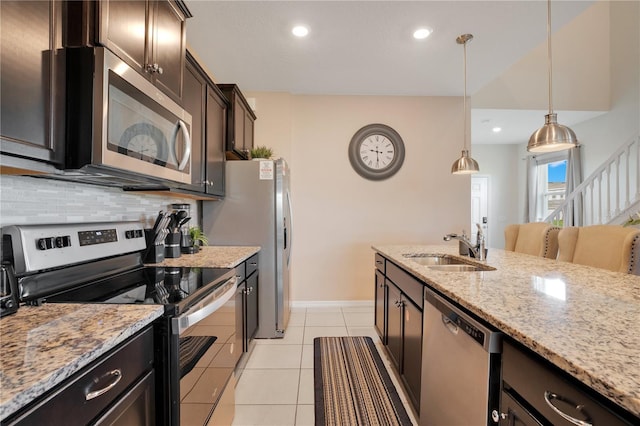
(187, 143)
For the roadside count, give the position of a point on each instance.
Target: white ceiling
(367, 48)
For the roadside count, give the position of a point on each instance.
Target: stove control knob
(41, 243)
(45, 243)
(7, 304)
(59, 242)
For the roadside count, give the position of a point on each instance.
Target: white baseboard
(331, 303)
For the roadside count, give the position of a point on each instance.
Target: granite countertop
(212, 257)
(584, 320)
(44, 345)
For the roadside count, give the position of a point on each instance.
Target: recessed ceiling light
(497, 129)
(422, 33)
(300, 31)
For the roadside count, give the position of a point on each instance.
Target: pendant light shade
(552, 136)
(464, 165)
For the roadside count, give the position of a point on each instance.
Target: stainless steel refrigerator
(256, 210)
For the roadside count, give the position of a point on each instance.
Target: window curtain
(574, 178)
(573, 211)
(531, 193)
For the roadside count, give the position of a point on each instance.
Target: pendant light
(464, 165)
(552, 136)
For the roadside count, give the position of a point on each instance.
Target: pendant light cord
(464, 99)
(550, 56)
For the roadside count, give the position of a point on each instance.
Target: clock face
(145, 142)
(376, 152)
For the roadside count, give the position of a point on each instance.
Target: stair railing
(608, 194)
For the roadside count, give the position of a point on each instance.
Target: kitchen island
(581, 319)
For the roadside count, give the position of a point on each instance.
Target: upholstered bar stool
(536, 238)
(611, 247)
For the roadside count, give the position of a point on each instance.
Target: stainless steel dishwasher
(460, 366)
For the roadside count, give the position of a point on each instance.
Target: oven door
(207, 354)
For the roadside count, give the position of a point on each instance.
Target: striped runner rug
(352, 385)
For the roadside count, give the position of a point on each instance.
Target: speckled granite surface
(584, 320)
(43, 345)
(212, 257)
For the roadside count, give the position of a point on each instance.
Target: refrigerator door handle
(291, 228)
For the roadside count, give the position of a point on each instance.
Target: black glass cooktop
(148, 285)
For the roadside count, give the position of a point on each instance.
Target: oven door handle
(205, 307)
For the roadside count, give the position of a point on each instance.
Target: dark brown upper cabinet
(32, 81)
(240, 121)
(208, 108)
(149, 35)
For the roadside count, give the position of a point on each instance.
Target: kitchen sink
(445, 262)
(461, 268)
(434, 259)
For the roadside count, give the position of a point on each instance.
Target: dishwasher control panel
(467, 327)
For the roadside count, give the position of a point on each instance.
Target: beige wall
(580, 57)
(500, 163)
(338, 215)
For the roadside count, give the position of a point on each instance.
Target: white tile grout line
(330, 303)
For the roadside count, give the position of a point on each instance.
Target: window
(551, 188)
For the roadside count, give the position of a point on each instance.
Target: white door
(480, 206)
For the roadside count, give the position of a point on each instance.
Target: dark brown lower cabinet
(404, 340)
(412, 349)
(398, 321)
(394, 325)
(116, 389)
(251, 305)
(247, 297)
(535, 392)
(381, 307)
(136, 407)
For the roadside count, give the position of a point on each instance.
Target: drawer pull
(549, 396)
(118, 376)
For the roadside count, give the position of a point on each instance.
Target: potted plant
(261, 152)
(196, 238)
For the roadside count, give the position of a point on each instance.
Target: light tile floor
(276, 386)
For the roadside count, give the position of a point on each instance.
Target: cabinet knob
(496, 417)
(154, 69)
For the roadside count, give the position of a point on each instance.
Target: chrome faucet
(478, 251)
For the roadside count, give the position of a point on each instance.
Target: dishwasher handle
(450, 324)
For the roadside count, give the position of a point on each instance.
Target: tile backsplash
(28, 200)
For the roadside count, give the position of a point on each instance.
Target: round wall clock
(376, 152)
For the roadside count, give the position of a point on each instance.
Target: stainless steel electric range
(196, 344)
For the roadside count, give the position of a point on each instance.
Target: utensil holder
(172, 245)
(155, 252)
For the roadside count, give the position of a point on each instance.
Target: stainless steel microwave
(119, 125)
